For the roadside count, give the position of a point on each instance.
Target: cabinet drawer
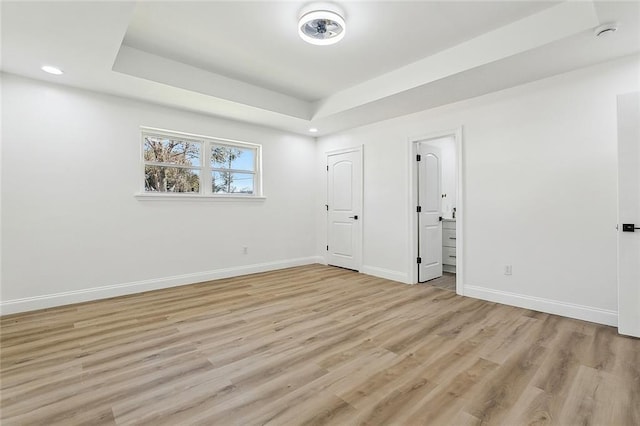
(448, 224)
(448, 256)
(449, 237)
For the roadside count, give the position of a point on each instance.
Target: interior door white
(629, 214)
(430, 214)
(344, 214)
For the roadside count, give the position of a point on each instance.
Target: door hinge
(419, 209)
(327, 206)
(419, 260)
(418, 157)
(440, 219)
(327, 168)
(327, 248)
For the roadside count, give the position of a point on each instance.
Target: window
(171, 164)
(232, 169)
(179, 163)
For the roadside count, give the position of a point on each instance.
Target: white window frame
(212, 169)
(205, 168)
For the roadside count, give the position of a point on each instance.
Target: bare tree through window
(176, 163)
(179, 156)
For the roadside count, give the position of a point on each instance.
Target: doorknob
(629, 227)
(354, 217)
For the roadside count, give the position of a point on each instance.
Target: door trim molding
(412, 196)
(344, 150)
(359, 149)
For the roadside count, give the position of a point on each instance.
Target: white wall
(72, 229)
(539, 178)
(539, 165)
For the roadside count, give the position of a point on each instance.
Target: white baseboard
(103, 292)
(581, 312)
(386, 273)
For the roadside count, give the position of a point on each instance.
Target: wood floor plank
(494, 400)
(312, 345)
(588, 400)
(449, 398)
(532, 408)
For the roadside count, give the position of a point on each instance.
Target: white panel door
(344, 200)
(429, 217)
(629, 214)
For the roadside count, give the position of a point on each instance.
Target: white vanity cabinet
(449, 245)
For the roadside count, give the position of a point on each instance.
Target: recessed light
(52, 70)
(321, 24)
(313, 130)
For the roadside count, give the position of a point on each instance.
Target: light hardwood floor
(313, 345)
(446, 282)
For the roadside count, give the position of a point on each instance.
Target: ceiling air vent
(606, 29)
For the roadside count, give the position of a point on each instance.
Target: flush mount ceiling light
(321, 24)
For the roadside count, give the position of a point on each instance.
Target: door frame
(359, 149)
(413, 202)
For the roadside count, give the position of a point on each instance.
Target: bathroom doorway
(436, 210)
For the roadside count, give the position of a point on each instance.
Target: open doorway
(436, 210)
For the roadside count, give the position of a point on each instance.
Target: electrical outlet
(245, 250)
(507, 269)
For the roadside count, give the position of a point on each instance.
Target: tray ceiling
(245, 61)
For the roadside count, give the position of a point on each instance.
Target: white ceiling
(257, 42)
(245, 61)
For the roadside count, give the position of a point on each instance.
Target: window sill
(143, 196)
